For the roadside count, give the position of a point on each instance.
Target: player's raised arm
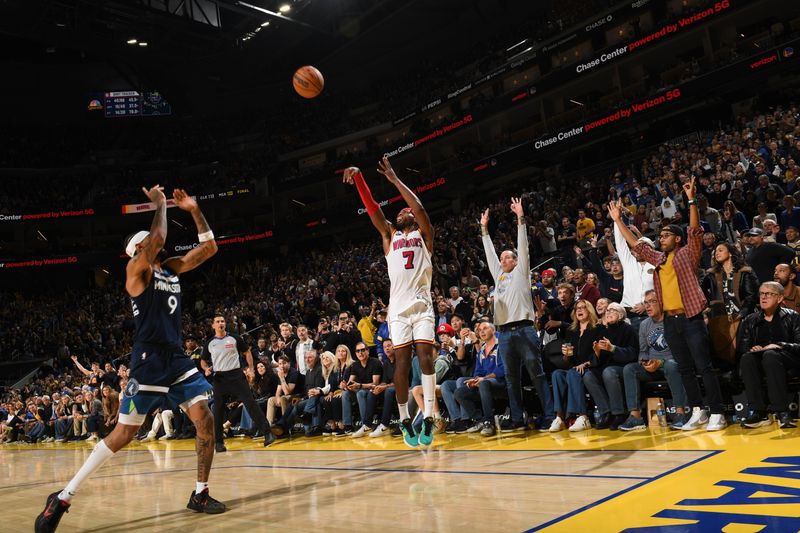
(421, 216)
(143, 247)
(207, 247)
(353, 176)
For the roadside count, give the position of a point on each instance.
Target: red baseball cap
(446, 328)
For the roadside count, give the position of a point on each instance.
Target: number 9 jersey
(157, 311)
(410, 273)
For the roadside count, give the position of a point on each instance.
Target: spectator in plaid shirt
(683, 301)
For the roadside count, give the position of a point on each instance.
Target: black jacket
(342, 337)
(745, 294)
(626, 343)
(314, 379)
(556, 311)
(751, 325)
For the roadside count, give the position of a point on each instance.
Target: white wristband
(207, 236)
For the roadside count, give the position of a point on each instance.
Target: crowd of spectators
(324, 308)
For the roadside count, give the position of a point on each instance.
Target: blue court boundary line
(414, 471)
(386, 470)
(344, 469)
(376, 450)
(623, 491)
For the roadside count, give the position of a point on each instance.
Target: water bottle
(662, 417)
(596, 415)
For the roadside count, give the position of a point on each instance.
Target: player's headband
(130, 248)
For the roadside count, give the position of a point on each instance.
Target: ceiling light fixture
(143, 44)
(575, 102)
(523, 41)
(265, 24)
(285, 8)
(132, 41)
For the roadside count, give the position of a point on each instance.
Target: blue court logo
(132, 388)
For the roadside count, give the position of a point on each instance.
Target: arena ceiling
(236, 43)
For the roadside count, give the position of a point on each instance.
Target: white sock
(403, 408)
(157, 420)
(97, 458)
(200, 486)
(166, 417)
(429, 393)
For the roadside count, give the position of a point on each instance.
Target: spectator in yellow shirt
(585, 227)
(368, 327)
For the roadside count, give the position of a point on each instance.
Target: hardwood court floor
(594, 480)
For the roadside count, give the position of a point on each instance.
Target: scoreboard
(135, 104)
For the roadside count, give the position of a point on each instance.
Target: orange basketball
(308, 81)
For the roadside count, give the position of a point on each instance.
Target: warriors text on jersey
(157, 311)
(410, 272)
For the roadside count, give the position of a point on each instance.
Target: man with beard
(407, 245)
(785, 275)
(683, 301)
(546, 288)
(583, 290)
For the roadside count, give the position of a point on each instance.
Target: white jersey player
(407, 245)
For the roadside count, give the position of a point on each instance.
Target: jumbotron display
(135, 104)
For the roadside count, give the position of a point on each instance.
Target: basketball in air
(308, 81)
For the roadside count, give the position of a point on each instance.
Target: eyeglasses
(768, 294)
(665, 235)
(650, 302)
(362, 349)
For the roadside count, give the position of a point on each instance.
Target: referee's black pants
(232, 383)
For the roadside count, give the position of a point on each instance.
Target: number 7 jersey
(157, 311)
(410, 272)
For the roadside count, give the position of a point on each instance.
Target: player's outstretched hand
(385, 168)
(183, 200)
(349, 173)
(155, 194)
(516, 207)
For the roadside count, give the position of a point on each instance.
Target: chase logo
(132, 388)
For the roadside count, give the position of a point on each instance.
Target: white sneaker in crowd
(716, 423)
(380, 431)
(476, 427)
(557, 425)
(699, 418)
(361, 431)
(581, 423)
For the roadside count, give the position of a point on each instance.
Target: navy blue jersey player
(158, 366)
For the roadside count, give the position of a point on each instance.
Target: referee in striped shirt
(223, 352)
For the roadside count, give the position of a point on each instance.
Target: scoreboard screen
(135, 104)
